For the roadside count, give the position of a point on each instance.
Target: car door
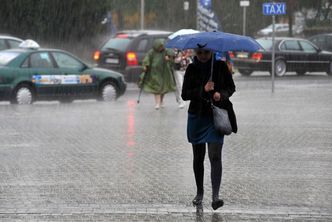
(294, 56)
(314, 62)
(44, 75)
(74, 81)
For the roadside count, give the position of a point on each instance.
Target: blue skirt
(200, 129)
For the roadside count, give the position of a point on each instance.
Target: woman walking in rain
(158, 68)
(200, 90)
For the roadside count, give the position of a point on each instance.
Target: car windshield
(6, 57)
(265, 43)
(119, 44)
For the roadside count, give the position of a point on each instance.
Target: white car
(8, 42)
(281, 29)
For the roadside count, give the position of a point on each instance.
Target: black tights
(214, 150)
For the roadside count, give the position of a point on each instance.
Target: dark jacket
(193, 89)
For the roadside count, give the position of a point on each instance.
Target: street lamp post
(244, 4)
(186, 8)
(273, 50)
(142, 14)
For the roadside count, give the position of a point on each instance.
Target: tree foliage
(159, 14)
(52, 19)
(231, 14)
(74, 20)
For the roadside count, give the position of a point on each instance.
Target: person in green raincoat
(158, 68)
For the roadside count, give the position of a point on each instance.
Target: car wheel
(23, 94)
(245, 72)
(280, 68)
(300, 72)
(108, 92)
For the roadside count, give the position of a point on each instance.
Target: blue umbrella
(214, 41)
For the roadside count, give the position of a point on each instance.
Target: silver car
(8, 42)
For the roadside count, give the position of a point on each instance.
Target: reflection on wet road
(123, 161)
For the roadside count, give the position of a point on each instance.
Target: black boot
(198, 200)
(216, 203)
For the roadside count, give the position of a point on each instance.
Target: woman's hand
(216, 96)
(209, 86)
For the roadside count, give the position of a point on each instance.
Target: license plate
(242, 55)
(112, 61)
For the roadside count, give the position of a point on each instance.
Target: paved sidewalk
(123, 161)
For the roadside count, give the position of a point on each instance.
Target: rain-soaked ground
(123, 161)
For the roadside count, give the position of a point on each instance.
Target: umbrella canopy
(182, 32)
(215, 41)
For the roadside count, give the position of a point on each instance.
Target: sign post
(186, 9)
(274, 9)
(273, 50)
(142, 14)
(244, 4)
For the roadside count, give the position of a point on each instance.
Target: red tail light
(257, 56)
(122, 36)
(231, 54)
(131, 59)
(96, 55)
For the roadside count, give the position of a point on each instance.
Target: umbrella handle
(212, 61)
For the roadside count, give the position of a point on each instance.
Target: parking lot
(123, 161)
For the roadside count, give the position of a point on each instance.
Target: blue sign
(274, 8)
(206, 18)
(206, 3)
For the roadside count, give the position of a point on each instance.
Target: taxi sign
(274, 8)
(29, 44)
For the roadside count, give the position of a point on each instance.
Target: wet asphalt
(123, 161)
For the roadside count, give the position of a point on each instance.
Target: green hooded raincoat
(159, 77)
